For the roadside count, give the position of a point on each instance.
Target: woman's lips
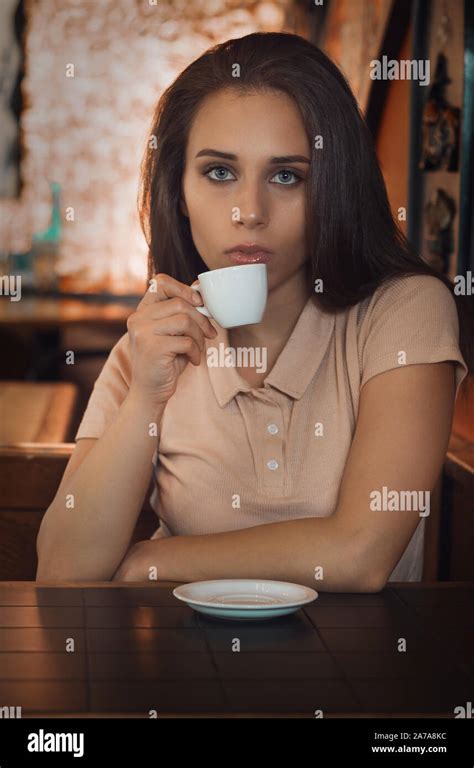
(239, 257)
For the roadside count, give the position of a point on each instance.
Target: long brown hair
(353, 241)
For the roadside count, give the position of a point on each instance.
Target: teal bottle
(45, 248)
(53, 233)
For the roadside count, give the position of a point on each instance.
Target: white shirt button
(272, 464)
(273, 429)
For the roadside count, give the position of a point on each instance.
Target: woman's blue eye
(292, 173)
(217, 168)
(226, 170)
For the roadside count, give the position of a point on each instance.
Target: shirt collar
(295, 366)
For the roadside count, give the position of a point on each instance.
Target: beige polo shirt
(229, 456)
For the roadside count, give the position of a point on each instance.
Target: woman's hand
(134, 566)
(166, 331)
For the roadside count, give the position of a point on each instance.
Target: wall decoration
(11, 74)
(440, 142)
(440, 211)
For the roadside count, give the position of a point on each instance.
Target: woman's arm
(402, 433)
(87, 541)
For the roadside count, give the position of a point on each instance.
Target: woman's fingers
(166, 331)
(179, 325)
(182, 345)
(179, 306)
(164, 286)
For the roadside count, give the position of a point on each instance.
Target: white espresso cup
(234, 295)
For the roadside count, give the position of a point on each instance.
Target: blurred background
(79, 80)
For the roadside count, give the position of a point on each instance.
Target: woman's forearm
(87, 528)
(317, 552)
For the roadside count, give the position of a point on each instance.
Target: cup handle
(202, 310)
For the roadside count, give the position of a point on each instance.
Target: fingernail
(196, 298)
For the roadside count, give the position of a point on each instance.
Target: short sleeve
(415, 315)
(110, 390)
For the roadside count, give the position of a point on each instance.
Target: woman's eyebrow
(274, 160)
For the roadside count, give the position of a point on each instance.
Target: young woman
(300, 472)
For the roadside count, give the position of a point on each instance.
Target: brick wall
(88, 132)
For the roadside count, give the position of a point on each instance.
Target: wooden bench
(457, 523)
(30, 475)
(36, 412)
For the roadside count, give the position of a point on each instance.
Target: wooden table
(137, 648)
(51, 312)
(32, 331)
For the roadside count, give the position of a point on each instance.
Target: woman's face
(249, 198)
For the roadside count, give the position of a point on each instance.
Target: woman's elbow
(359, 575)
(371, 583)
(49, 570)
(54, 567)
(369, 571)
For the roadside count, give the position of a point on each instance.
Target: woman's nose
(251, 207)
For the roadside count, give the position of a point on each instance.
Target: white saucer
(245, 598)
